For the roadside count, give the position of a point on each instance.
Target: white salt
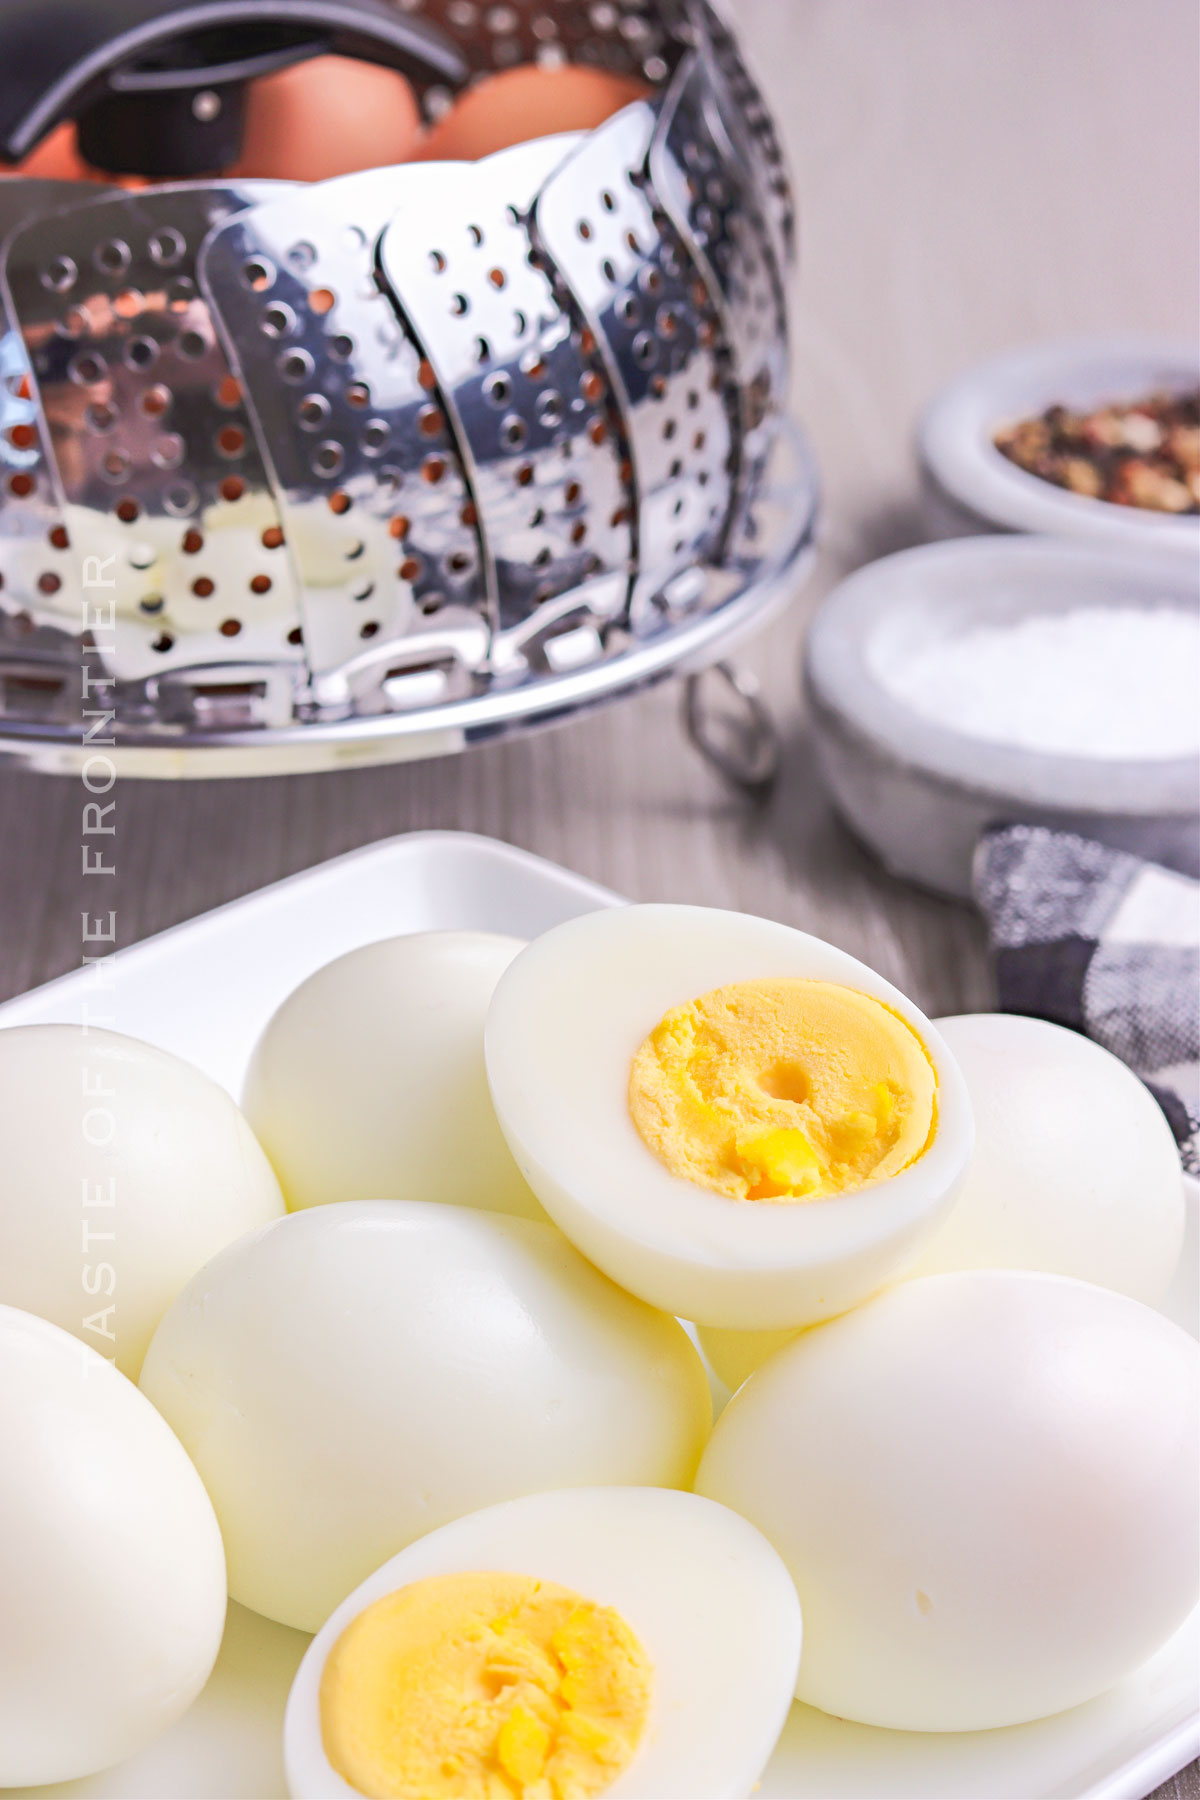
(1104, 681)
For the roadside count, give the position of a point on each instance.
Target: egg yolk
(784, 1090)
(484, 1687)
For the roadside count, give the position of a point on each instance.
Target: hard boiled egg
(630, 1642)
(354, 1375)
(112, 1579)
(984, 1485)
(123, 1170)
(1075, 1169)
(740, 1124)
(368, 1083)
(1075, 1172)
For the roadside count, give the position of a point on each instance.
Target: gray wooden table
(972, 175)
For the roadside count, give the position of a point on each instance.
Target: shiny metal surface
(749, 598)
(377, 514)
(524, 384)
(703, 171)
(410, 456)
(649, 306)
(153, 459)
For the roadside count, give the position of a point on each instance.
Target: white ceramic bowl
(972, 487)
(920, 793)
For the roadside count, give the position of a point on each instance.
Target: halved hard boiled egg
(624, 1642)
(737, 1122)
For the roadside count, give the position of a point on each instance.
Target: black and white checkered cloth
(1101, 941)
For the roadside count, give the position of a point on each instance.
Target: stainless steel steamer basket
(299, 476)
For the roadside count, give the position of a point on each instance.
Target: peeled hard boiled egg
(112, 1579)
(124, 1170)
(984, 1485)
(355, 1375)
(1075, 1172)
(368, 1083)
(1075, 1169)
(630, 1642)
(737, 1122)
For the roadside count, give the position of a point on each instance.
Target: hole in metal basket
(59, 275)
(111, 257)
(166, 247)
(295, 365)
(278, 320)
(258, 274)
(87, 368)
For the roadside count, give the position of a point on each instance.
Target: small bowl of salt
(1002, 680)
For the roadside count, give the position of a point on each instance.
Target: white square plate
(204, 990)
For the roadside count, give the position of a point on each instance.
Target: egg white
(984, 1485)
(111, 1567)
(368, 1081)
(354, 1375)
(1075, 1169)
(125, 1170)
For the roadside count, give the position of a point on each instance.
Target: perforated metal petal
(706, 183)
(522, 380)
(376, 508)
(764, 157)
(496, 477)
(650, 309)
(40, 593)
(149, 446)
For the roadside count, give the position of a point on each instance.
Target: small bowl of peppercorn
(1095, 438)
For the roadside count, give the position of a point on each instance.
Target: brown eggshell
(326, 117)
(524, 103)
